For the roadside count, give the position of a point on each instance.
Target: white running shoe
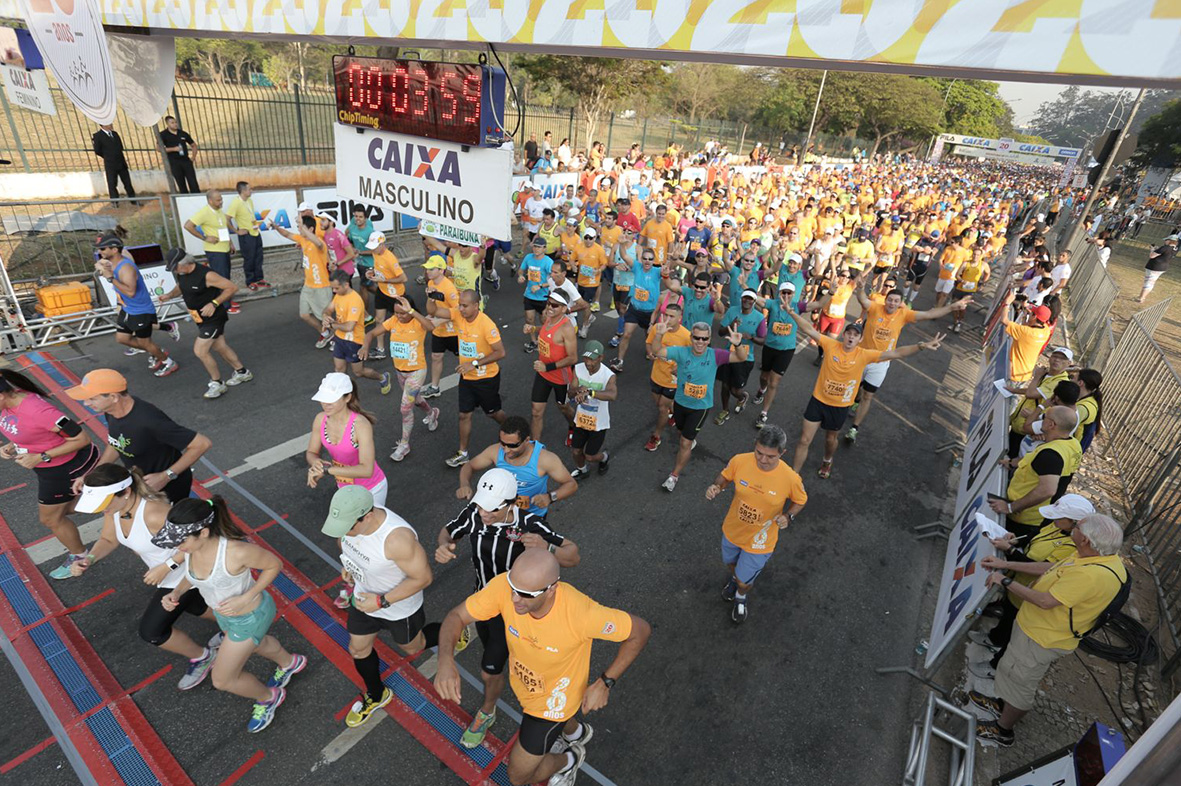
(669, 483)
(432, 420)
(215, 389)
(400, 452)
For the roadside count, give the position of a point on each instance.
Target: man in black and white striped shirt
(500, 532)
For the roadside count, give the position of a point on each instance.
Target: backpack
(1112, 608)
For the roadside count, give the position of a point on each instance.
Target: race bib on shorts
(195, 315)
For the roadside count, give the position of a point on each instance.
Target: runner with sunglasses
(499, 532)
(553, 626)
(645, 292)
(530, 463)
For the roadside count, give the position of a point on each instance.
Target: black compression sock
(431, 633)
(369, 668)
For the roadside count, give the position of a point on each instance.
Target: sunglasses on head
(528, 593)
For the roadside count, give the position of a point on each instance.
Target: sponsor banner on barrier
(277, 206)
(1011, 146)
(425, 178)
(28, 89)
(326, 200)
(449, 234)
(552, 186)
(158, 281)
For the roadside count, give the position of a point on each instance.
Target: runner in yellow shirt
(442, 304)
(390, 279)
(480, 348)
(345, 315)
(552, 626)
(767, 496)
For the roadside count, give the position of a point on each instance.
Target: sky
(1026, 97)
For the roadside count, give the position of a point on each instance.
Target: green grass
(1126, 266)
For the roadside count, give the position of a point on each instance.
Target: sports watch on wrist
(610, 683)
(46, 458)
(383, 602)
(1006, 581)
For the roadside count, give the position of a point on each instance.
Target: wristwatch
(46, 458)
(610, 683)
(171, 563)
(383, 602)
(171, 475)
(1006, 581)
(553, 496)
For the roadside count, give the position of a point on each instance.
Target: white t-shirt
(534, 208)
(593, 414)
(1060, 273)
(1104, 255)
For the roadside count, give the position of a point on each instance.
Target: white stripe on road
(347, 740)
(51, 549)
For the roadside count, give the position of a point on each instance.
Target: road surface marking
(347, 740)
(51, 549)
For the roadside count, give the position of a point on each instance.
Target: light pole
(815, 110)
(942, 109)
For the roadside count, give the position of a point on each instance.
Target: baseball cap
(593, 349)
(96, 498)
(572, 213)
(333, 387)
(750, 293)
(376, 240)
(855, 326)
(572, 222)
(349, 503)
(539, 241)
(1173, 238)
(109, 240)
(497, 487)
(1064, 352)
(829, 231)
(590, 233)
(1068, 506)
(795, 258)
(726, 221)
(934, 233)
(326, 216)
(558, 296)
(1042, 314)
(303, 206)
(97, 383)
(436, 263)
(174, 257)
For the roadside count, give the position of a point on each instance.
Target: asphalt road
(789, 697)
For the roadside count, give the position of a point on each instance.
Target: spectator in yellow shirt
(244, 224)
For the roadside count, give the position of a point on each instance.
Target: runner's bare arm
(597, 694)
(408, 554)
(913, 349)
(805, 325)
(942, 311)
(485, 459)
(447, 677)
(217, 281)
(240, 556)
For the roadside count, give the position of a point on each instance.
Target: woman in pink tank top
(346, 432)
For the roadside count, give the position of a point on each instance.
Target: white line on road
(347, 740)
(51, 549)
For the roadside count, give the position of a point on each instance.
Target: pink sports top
(347, 453)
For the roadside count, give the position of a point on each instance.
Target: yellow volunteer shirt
(213, 224)
(1081, 586)
(242, 211)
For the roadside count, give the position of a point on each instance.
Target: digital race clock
(454, 102)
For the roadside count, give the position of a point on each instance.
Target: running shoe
(132, 352)
(616, 365)
(387, 382)
(579, 472)
(722, 417)
(585, 327)
(325, 340)
(741, 403)
(669, 483)
(431, 391)
(759, 395)
(262, 714)
(989, 704)
(569, 437)
(172, 329)
(401, 450)
(154, 365)
(253, 286)
(729, 590)
(614, 342)
(215, 389)
(263, 283)
(364, 707)
(563, 744)
(458, 460)
(981, 638)
(62, 571)
(530, 347)
(495, 281)
(956, 329)
(652, 444)
(603, 465)
(987, 731)
(851, 435)
(344, 598)
(169, 366)
(477, 730)
(982, 669)
(566, 777)
(369, 320)
(238, 377)
(282, 676)
(233, 309)
(738, 613)
(465, 638)
(432, 419)
(825, 471)
(761, 420)
(378, 354)
(197, 670)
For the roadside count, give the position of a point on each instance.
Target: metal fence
(240, 125)
(1090, 294)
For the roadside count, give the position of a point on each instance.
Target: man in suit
(109, 147)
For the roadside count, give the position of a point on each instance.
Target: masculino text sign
(426, 178)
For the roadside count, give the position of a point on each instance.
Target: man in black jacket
(182, 152)
(109, 147)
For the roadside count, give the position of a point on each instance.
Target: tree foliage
(1160, 139)
(1078, 116)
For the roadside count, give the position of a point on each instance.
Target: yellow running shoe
(364, 707)
(465, 638)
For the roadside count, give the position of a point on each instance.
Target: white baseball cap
(375, 240)
(496, 488)
(784, 286)
(304, 206)
(750, 293)
(1068, 506)
(589, 232)
(1064, 352)
(333, 388)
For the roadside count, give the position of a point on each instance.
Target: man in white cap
(1051, 544)
(390, 280)
(591, 261)
(388, 569)
(779, 345)
(499, 532)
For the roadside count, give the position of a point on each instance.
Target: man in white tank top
(388, 567)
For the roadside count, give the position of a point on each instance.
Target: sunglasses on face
(700, 338)
(700, 288)
(528, 593)
(511, 445)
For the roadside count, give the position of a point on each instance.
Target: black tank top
(196, 293)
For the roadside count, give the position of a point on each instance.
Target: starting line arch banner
(1112, 41)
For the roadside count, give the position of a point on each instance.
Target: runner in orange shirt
(658, 234)
(664, 372)
(837, 383)
(590, 260)
(346, 316)
(767, 496)
(442, 304)
(479, 383)
(551, 628)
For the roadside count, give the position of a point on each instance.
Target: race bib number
(534, 275)
(525, 676)
(652, 242)
(782, 328)
(586, 271)
(355, 570)
(467, 349)
(747, 514)
(195, 315)
(524, 502)
(402, 350)
(841, 390)
(640, 295)
(586, 421)
(836, 311)
(968, 286)
(696, 391)
(340, 480)
(543, 347)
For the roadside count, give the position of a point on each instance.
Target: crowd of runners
(725, 281)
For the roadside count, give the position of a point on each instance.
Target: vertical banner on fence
(961, 588)
(278, 206)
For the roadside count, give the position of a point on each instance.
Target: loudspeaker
(1104, 148)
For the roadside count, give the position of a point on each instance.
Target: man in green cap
(591, 388)
(388, 570)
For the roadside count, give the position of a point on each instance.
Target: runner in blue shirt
(534, 273)
(748, 321)
(697, 367)
(645, 293)
(779, 345)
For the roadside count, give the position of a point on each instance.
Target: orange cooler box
(58, 299)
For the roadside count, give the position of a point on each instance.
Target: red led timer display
(432, 100)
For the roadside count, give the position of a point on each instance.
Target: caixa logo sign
(978, 141)
(412, 160)
(1044, 150)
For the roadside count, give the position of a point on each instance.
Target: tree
(972, 107)
(220, 60)
(1159, 144)
(893, 105)
(595, 84)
